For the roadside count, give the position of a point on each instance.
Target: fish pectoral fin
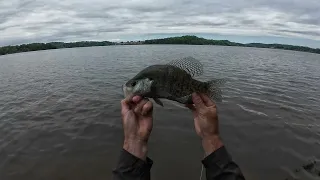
(158, 101)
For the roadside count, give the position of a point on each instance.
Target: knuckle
(123, 101)
(147, 107)
(149, 104)
(136, 110)
(142, 103)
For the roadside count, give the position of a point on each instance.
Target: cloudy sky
(268, 21)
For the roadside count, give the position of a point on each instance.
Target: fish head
(140, 87)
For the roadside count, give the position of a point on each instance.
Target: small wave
(314, 99)
(289, 108)
(234, 90)
(281, 105)
(303, 125)
(256, 99)
(274, 89)
(301, 83)
(251, 110)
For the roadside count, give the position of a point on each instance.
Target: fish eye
(133, 83)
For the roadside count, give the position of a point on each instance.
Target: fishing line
(201, 172)
(204, 155)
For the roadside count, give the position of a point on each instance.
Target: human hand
(137, 125)
(206, 122)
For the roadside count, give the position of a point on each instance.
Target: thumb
(125, 106)
(197, 101)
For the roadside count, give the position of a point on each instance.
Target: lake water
(60, 112)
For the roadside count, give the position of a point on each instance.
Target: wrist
(137, 148)
(211, 143)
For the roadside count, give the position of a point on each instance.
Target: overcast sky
(281, 21)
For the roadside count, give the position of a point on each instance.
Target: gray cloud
(313, 33)
(199, 23)
(25, 21)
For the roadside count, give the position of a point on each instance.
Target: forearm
(211, 144)
(218, 163)
(137, 148)
(133, 163)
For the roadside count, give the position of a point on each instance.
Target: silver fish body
(173, 81)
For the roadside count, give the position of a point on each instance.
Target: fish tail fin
(214, 89)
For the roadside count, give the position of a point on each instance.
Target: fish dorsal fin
(189, 64)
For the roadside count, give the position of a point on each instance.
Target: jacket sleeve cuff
(129, 162)
(217, 160)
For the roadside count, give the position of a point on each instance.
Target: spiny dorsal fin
(189, 64)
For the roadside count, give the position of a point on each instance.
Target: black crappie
(173, 81)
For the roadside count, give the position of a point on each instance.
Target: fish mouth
(127, 91)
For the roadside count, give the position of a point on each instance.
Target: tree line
(52, 45)
(202, 41)
(192, 40)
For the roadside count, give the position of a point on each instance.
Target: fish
(175, 81)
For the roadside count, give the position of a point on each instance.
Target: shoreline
(179, 40)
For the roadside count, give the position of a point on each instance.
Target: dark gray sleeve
(219, 166)
(130, 167)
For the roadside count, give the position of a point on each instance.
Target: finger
(207, 101)
(125, 105)
(136, 99)
(197, 101)
(138, 108)
(147, 108)
(127, 100)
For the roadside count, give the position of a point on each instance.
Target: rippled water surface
(60, 112)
